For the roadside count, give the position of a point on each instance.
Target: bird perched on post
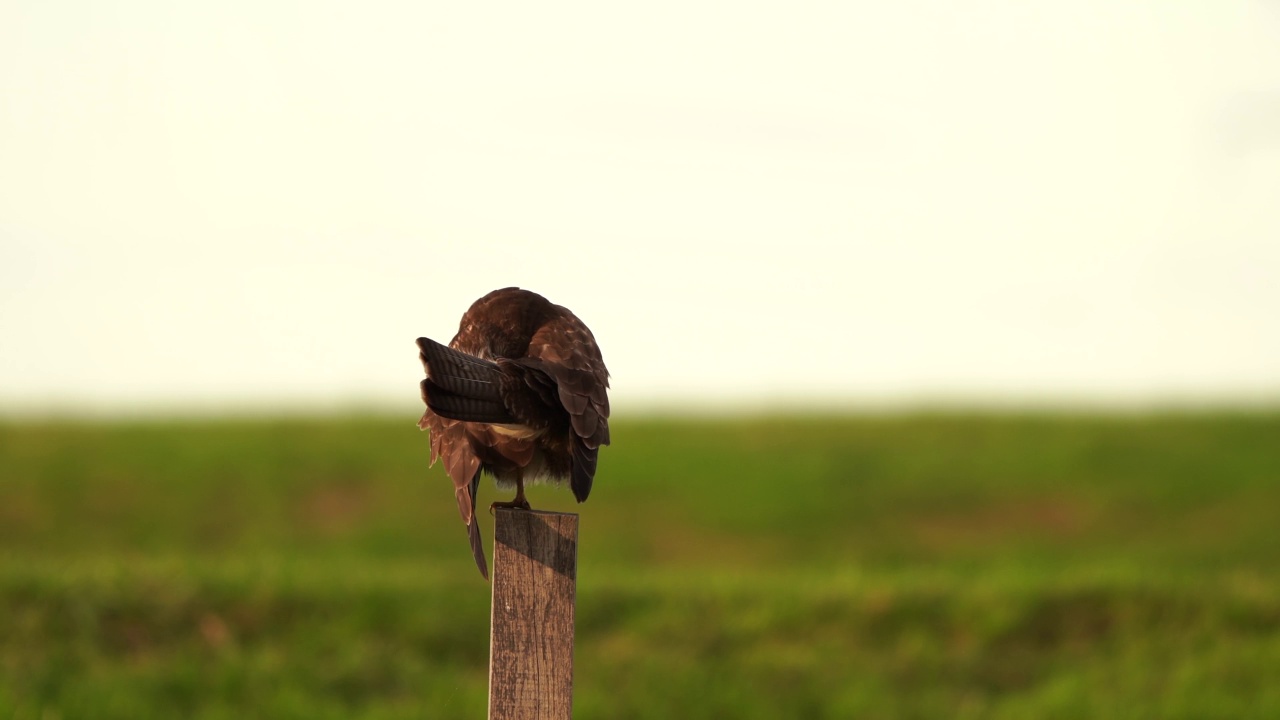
(521, 393)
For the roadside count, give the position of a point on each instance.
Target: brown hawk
(521, 393)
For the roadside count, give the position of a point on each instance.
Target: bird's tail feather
(477, 546)
(468, 493)
(462, 386)
(584, 469)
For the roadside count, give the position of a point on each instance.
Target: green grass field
(926, 566)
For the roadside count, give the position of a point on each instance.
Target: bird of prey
(520, 393)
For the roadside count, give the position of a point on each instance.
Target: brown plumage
(521, 393)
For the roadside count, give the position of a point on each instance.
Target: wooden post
(535, 578)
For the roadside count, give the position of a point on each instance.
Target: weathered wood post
(535, 578)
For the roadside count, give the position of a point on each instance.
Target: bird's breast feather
(523, 432)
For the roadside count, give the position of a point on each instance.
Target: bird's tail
(462, 386)
(473, 523)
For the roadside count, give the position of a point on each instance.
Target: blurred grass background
(898, 566)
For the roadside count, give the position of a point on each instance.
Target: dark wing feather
(461, 407)
(572, 358)
(569, 355)
(529, 391)
(462, 386)
(460, 372)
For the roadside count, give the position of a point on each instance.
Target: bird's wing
(462, 386)
(568, 354)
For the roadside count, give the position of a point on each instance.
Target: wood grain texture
(535, 577)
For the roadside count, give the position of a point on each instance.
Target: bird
(521, 394)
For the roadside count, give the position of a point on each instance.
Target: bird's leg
(518, 502)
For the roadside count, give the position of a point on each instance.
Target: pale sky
(249, 203)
